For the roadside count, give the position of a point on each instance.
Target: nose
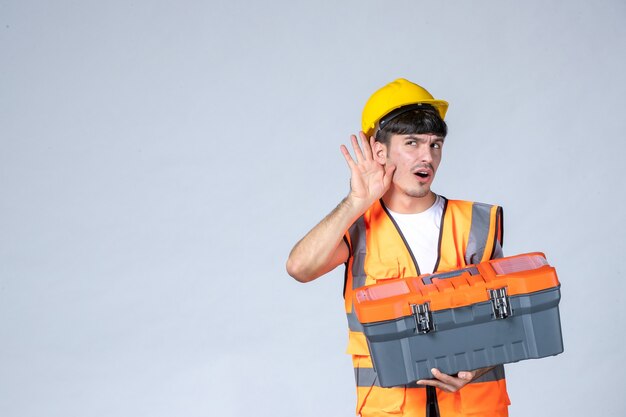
(426, 155)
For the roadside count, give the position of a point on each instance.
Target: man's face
(416, 158)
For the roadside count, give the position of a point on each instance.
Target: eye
(436, 145)
(411, 142)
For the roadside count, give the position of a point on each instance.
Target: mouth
(423, 174)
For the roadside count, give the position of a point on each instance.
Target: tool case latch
(423, 317)
(500, 303)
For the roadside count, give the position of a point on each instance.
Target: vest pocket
(485, 398)
(380, 401)
(382, 269)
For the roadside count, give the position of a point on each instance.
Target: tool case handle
(428, 279)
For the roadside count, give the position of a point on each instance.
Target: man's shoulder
(471, 209)
(467, 203)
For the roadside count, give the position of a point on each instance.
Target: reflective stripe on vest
(356, 264)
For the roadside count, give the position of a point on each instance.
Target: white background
(159, 159)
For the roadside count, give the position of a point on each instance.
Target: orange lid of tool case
(521, 274)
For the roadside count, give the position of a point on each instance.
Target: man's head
(408, 126)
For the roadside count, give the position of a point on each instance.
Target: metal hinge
(500, 303)
(423, 317)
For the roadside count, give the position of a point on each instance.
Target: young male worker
(392, 225)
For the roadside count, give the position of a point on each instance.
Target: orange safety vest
(470, 233)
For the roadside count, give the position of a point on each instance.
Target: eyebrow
(414, 137)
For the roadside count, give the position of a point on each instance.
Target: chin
(421, 193)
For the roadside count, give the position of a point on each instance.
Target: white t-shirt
(421, 232)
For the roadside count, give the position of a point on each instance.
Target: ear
(379, 153)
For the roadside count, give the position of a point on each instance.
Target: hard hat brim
(440, 105)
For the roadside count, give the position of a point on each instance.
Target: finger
(357, 149)
(389, 170)
(437, 384)
(347, 157)
(453, 383)
(467, 375)
(367, 145)
(449, 382)
(445, 378)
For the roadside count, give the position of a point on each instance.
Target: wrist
(355, 205)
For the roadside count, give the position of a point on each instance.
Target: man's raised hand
(369, 179)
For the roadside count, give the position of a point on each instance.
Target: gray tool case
(435, 321)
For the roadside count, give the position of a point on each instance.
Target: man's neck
(409, 205)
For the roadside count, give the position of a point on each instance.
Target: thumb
(468, 376)
(389, 170)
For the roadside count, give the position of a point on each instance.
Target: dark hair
(417, 120)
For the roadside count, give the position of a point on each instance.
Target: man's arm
(323, 248)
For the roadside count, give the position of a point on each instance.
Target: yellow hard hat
(394, 95)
